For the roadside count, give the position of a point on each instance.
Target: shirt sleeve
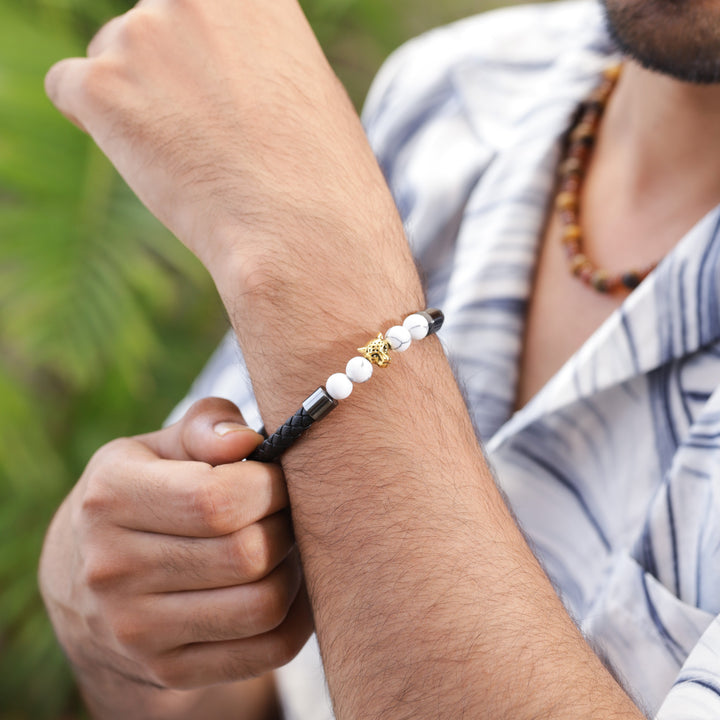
(225, 375)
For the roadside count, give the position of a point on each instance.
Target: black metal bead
(319, 404)
(435, 319)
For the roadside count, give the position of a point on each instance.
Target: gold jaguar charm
(377, 351)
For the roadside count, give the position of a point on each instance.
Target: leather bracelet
(339, 385)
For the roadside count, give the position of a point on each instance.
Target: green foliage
(104, 317)
(97, 302)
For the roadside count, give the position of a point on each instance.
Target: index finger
(129, 485)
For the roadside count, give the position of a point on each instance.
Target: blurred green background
(104, 317)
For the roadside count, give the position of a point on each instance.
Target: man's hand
(226, 120)
(166, 568)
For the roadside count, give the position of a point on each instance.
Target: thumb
(211, 431)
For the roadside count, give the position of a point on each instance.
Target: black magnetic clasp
(319, 404)
(435, 319)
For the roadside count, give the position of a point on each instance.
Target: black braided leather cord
(283, 437)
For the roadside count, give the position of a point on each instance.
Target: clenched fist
(170, 569)
(227, 121)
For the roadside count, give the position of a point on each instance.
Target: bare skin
(427, 601)
(163, 576)
(648, 183)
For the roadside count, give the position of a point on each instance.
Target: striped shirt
(613, 468)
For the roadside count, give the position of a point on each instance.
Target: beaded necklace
(581, 140)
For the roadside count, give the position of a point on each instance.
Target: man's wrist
(345, 234)
(317, 271)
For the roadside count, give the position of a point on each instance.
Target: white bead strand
(417, 326)
(338, 386)
(399, 338)
(359, 369)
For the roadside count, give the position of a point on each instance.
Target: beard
(679, 38)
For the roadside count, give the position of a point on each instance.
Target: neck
(655, 170)
(663, 133)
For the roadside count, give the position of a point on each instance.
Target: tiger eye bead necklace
(580, 143)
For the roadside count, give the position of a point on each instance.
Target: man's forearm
(427, 600)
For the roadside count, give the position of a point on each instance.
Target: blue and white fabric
(613, 468)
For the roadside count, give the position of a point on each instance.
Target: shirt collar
(675, 312)
(532, 79)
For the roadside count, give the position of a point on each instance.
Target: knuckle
(214, 508)
(252, 553)
(288, 646)
(186, 4)
(107, 566)
(99, 573)
(270, 608)
(140, 26)
(112, 453)
(170, 673)
(97, 498)
(129, 632)
(99, 82)
(283, 647)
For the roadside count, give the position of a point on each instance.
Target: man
(171, 565)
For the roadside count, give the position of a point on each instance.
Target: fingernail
(225, 428)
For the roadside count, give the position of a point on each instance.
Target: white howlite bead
(359, 369)
(399, 338)
(417, 325)
(338, 386)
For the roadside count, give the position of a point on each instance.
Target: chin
(679, 38)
